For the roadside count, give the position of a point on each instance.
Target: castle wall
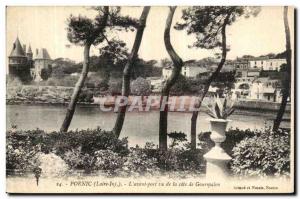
(19, 67)
(40, 64)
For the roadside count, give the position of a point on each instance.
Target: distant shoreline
(241, 105)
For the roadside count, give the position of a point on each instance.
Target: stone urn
(217, 158)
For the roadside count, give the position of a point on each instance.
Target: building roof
(266, 80)
(269, 90)
(42, 54)
(29, 50)
(261, 79)
(253, 70)
(17, 50)
(258, 58)
(277, 59)
(153, 78)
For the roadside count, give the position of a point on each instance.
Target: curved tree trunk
(85, 69)
(287, 80)
(127, 70)
(177, 62)
(207, 85)
(77, 90)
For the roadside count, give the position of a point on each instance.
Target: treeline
(105, 68)
(281, 55)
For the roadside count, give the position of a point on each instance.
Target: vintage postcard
(116, 99)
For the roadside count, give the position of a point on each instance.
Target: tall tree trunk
(177, 62)
(127, 70)
(77, 90)
(85, 69)
(287, 80)
(207, 85)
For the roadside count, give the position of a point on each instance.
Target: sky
(45, 27)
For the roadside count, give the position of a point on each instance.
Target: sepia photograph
(150, 99)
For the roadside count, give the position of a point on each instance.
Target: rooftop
(258, 58)
(29, 49)
(42, 54)
(17, 50)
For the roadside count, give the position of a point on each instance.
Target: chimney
(24, 48)
(37, 52)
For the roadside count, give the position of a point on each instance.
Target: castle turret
(17, 50)
(29, 53)
(24, 48)
(42, 64)
(18, 62)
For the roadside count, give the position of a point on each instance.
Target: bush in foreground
(265, 154)
(261, 153)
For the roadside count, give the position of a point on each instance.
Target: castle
(21, 63)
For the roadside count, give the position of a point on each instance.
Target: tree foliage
(83, 30)
(140, 87)
(206, 22)
(181, 87)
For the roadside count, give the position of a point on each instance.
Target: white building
(192, 71)
(265, 89)
(189, 71)
(166, 72)
(156, 83)
(264, 63)
(259, 89)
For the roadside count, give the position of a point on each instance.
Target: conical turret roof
(29, 50)
(43, 54)
(17, 50)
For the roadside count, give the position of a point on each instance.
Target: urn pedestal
(217, 158)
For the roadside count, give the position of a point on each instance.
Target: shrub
(138, 162)
(181, 87)
(20, 152)
(167, 160)
(177, 138)
(76, 148)
(76, 160)
(89, 141)
(197, 86)
(103, 85)
(181, 160)
(265, 154)
(140, 87)
(86, 95)
(191, 160)
(46, 73)
(109, 161)
(233, 137)
(115, 87)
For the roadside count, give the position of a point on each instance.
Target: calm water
(138, 127)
